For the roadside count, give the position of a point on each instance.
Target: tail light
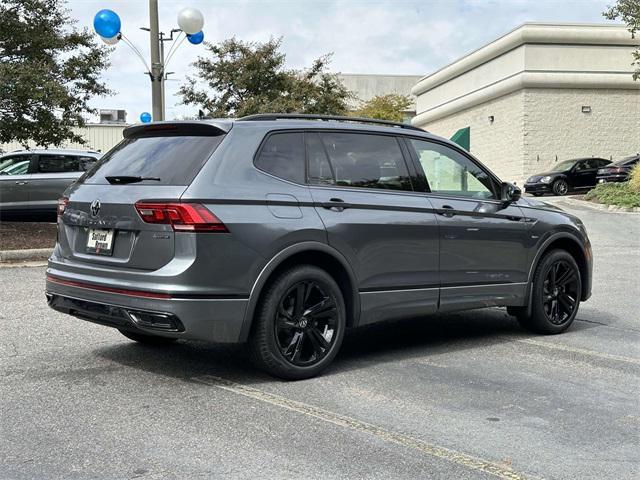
(183, 217)
(62, 205)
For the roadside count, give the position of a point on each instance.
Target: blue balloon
(145, 117)
(107, 23)
(196, 38)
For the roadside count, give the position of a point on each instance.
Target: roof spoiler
(177, 129)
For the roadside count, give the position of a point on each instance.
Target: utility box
(113, 116)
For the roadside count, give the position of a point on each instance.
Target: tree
(49, 70)
(629, 12)
(243, 78)
(386, 107)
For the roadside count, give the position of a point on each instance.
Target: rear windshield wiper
(118, 179)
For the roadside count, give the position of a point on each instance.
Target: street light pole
(107, 24)
(156, 62)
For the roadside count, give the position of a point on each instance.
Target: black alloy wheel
(299, 324)
(555, 295)
(560, 292)
(560, 187)
(305, 323)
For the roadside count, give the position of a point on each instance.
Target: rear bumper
(537, 188)
(623, 177)
(209, 319)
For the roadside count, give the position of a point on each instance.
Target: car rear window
(626, 161)
(174, 160)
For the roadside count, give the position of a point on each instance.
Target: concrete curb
(25, 255)
(600, 206)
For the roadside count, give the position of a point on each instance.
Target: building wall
(366, 86)
(534, 81)
(498, 144)
(100, 137)
(556, 129)
(475, 80)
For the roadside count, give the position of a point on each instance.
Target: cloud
(373, 36)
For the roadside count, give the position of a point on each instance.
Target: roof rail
(335, 118)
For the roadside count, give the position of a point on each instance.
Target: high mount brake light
(62, 205)
(183, 217)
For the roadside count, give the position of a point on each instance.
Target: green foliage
(49, 70)
(620, 194)
(243, 78)
(634, 179)
(629, 12)
(385, 107)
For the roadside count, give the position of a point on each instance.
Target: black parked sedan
(576, 174)
(618, 171)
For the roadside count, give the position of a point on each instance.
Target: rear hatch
(154, 163)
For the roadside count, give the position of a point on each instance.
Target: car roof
(302, 124)
(55, 151)
(290, 122)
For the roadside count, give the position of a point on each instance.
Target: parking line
(582, 351)
(381, 433)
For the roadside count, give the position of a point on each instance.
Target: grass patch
(620, 194)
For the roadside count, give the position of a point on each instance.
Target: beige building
(100, 137)
(540, 94)
(367, 86)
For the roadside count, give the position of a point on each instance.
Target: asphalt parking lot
(459, 396)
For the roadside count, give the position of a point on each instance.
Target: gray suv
(31, 181)
(283, 231)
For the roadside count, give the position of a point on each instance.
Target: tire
(554, 306)
(538, 194)
(560, 187)
(152, 340)
(288, 340)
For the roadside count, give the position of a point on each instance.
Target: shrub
(620, 194)
(634, 179)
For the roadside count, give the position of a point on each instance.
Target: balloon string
(172, 50)
(136, 51)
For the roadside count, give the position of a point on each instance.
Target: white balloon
(112, 40)
(190, 20)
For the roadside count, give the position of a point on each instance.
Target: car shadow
(380, 343)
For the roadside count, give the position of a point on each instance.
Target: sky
(413, 37)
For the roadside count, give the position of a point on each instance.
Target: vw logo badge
(95, 208)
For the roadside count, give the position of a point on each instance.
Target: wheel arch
(308, 253)
(564, 241)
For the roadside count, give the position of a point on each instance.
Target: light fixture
(586, 109)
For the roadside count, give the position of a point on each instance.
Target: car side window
(16, 165)
(58, 164)
(366, 161)
(450, 172)
(283, 155)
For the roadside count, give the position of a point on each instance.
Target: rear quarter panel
(263, 214)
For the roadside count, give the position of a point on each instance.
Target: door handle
(447, 211)
(21, 182)
(335, 204)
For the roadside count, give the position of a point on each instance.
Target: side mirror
(510, 193)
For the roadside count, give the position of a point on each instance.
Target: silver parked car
(31, 181)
